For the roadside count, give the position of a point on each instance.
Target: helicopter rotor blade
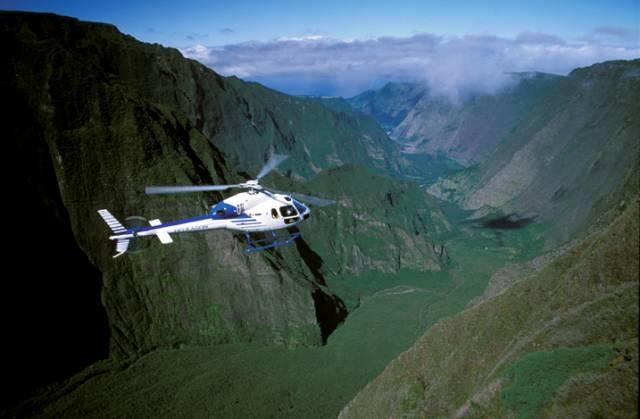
(308, 199)
(271, 195)
(313, 200)
(155, 190)
(273, 162)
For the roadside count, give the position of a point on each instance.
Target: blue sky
(290, 45)
(175, 23)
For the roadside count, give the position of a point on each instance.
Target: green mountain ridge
(379, 223)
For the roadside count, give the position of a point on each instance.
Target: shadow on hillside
(511, 221)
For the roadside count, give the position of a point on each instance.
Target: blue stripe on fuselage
(241, 217)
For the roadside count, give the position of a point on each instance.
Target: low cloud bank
(452, 67)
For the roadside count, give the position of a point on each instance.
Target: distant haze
(451, 66)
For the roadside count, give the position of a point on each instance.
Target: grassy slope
(533, 380)
(464, 365)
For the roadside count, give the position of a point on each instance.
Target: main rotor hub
(252, 184)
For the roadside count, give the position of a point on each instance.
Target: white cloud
(451, 66)
(615, 31)
(198, 52)
(301, 38)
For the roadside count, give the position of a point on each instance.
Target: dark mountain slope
(81, 100)
(93, 117)
(52, 318)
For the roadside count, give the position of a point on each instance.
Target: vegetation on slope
(532, 381)
(468, 131)
(463, 365)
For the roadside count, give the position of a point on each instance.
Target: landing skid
(269, 242)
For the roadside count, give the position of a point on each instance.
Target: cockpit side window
(274, 213)
(288, 211)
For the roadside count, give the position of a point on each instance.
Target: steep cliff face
(562, 342)
(377, 224)
(107, 134)
(51, 313)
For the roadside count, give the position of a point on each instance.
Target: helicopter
(257, 210)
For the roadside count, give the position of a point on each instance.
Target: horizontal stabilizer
(162, 235)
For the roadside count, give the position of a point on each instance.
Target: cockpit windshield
(301, 208)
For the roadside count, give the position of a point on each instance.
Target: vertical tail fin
(122, 243)
(121, 247)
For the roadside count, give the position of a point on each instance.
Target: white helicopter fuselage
(247, 212)
(254, 211)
